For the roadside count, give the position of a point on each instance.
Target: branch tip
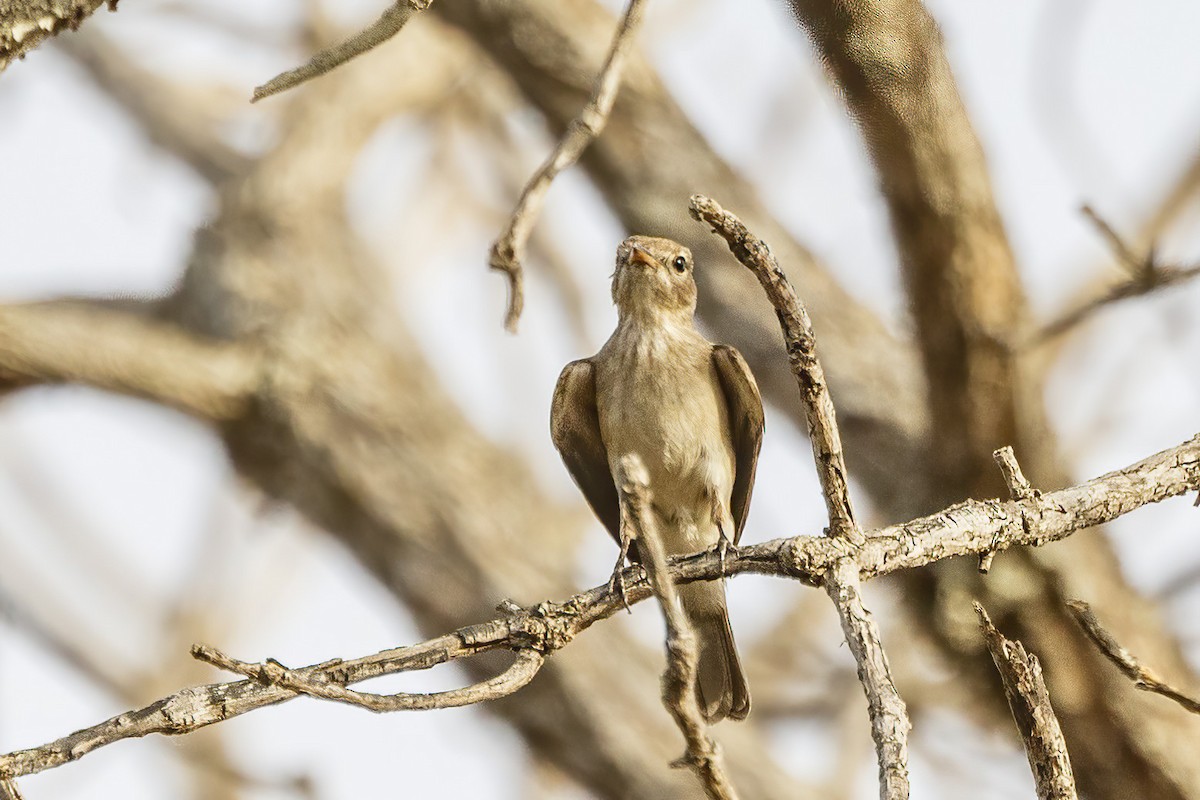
(384, 28)
(800, 340)
(580, 133)
(1142, 676)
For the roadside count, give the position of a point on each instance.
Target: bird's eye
(680, 264)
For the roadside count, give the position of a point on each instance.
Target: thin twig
(272, 673)
(965, 529)
(1146, 276)
(1163, 277)
(683, 654)
(384, 28)
(1030, 704)
(1019, 489)
(889, 716)
(802, 356)
(509, 249)
(1143, 677)
(1138, 266)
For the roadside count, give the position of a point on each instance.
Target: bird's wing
(575, 429)
(745, 426)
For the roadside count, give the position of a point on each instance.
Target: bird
(692, 412)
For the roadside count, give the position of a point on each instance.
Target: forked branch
(1146, 275)
(965, 529)
(889, 716)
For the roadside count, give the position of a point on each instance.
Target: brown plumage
(691, 410)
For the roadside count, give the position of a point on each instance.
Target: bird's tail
(721, 684)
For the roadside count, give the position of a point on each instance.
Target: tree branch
(801, 343)
(683, 654)
(24, 24)
(128, 354)
(1146, 275)
(889, 717)
(1143, 677)
(889, 64)
(1029, 701)
(509, 249)
(968, 528)
(272, 673)
(384, 28)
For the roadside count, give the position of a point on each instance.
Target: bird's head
(654, 279)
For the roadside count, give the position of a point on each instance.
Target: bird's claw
(724, 547)
(616, 583)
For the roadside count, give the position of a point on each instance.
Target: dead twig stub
(1029, 701)
(1019, 489)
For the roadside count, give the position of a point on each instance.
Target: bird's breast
(661, 399)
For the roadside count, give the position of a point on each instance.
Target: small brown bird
(691, 410)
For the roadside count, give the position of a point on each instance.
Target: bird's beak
(639, 256)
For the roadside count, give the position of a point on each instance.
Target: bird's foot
(724, 547)
(616, 583)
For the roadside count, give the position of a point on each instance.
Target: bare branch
(1146, 276)
(8, 790)
(272, 673)
(384, 28)
(509, 249)
(198, 707)
(24, 24)
(968, 528)
(128, 354)
(802, 356)
(889, 716)
(683, 655)
(1031, 709)
(1142, 677)
(1163, 277)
